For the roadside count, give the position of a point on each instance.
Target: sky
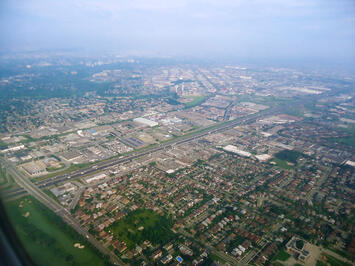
(236, 28)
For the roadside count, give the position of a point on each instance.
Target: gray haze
(240, 28)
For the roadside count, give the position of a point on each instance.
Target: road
(103, 165)
(35, 188)
(224, 256)
(76, 198)
(36, 192)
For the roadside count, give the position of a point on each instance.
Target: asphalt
(103, 165)
(36, 192)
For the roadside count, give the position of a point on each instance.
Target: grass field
(282, 255)
(348, 141)
(140, 225)
(6, 181)
(350, 129)
(282, 164)
(196, 100)
(47, 239)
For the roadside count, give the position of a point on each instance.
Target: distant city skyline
(253, 29)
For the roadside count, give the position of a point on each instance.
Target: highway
(34, 189)
(36, 192)
(103, 165)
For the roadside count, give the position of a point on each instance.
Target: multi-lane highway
(103, 165)
(35, 188)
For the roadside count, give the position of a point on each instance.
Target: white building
(95, 178)
(234, 149)
(146, 122)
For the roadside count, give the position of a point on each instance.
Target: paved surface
(103, 165)
(35, 189)
(36, 192)
(76, 198)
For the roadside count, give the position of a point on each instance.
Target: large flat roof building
(146, 122)
(34, 168)
(234, 149)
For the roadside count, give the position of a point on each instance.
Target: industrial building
(146, 122)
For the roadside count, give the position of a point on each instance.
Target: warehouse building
(146, 122)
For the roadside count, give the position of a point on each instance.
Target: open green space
(46, 238)
(52, 169)
(141, 225)
(282, 255)
(196, 100)
(288, 155)
(6, 180)
(270, 101)
(349, 141)
(350, 128)
(2, 144)
(282, 164)
(3, 177)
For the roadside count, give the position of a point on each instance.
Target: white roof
(351, 163)
(263, 157)
(234, 149)
(144, 121)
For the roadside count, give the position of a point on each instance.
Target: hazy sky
(245, 28)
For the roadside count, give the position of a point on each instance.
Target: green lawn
(196, 100)
(282, 164)
(47, 239)
(349, 141)
(288, 155)
(282, 255)
(52, 169)
(350, 129)
(6, 181)
(140, 225)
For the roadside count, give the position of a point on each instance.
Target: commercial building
(34, 168)
(146, 122)
(95, 178)
(234, 149)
